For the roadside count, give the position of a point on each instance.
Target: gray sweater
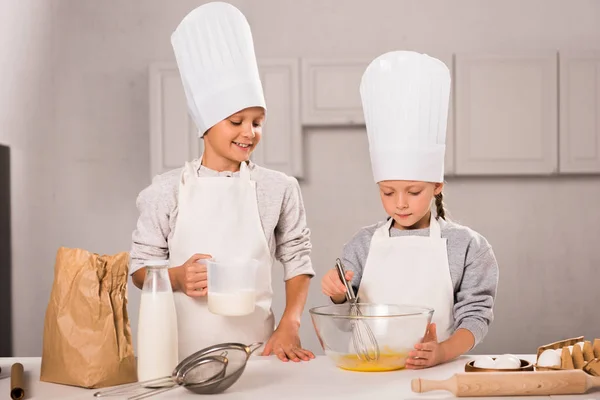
(473, 270)
(280, 207)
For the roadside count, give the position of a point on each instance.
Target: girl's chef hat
(405, 97)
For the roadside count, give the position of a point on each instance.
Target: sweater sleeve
(156, 203)
(474, 299)
(292, 234)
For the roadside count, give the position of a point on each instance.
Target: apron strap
(189, 170)
(244, 171)
(188, 173)
(384, 230)
(435, 231)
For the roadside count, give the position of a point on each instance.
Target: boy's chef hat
(405, 97)
(215, 54)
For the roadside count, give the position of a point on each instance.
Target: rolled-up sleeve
(292, 234)
(473, 307)
(150, 238)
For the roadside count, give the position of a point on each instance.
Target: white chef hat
(405, 98)
(214, 50)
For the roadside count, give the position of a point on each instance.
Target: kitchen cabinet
(331, 92)
(506, 113)
(173, 135)
(281, 145)
(579, 112)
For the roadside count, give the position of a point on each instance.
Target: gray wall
(74, 109)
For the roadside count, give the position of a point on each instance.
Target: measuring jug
(231, 286)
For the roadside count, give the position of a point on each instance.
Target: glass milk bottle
(157, 324)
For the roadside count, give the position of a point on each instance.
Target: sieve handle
(253, 347)
(150, 394)
(135, 386)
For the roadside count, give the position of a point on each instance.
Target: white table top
(268, 378)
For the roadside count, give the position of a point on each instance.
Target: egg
(549, 358)
(570, 349)
(558, 351)
(485, 362)
(580, 344)
(507, 361)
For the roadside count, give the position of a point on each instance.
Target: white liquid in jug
(157, 336)
(232, 304)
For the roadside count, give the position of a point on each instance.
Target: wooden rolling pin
(17, 391)
(473, 384)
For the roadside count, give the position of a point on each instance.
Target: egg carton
(573, 355)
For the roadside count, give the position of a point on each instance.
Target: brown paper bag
(87, 336)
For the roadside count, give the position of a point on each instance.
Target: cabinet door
(281, 144)
(331, 91)
(174, 138)
(173, 135)
(579, 112)
(506, 114)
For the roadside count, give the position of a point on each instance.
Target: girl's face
(408, 202)
(231, 141)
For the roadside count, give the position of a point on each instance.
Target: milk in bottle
(157, 324)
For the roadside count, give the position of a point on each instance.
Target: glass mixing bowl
(396, 328)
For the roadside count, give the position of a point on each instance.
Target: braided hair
(439, 206)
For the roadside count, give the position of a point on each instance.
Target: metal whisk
(363, 339)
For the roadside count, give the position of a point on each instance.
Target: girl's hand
(428, 353)
(332, 286)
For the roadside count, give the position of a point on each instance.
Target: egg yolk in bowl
(389, 360)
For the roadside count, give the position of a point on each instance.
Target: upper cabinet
(506, 114)
(173, 135)
(174, 138)
(281, 144)
(579, 112)
(330, 91)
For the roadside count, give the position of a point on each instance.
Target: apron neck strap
(191, 170)
(244, 171)
(435, 231)
(388, 225)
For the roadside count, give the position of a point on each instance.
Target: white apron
(410, 270)
(219, 216)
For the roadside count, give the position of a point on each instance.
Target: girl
(416, 256)
(222, 204)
